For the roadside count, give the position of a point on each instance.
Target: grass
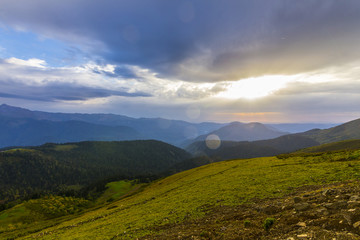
(19, 150)
(192, 193)
(116, 190)
(43, 211)
(336, 146)
(65, 148)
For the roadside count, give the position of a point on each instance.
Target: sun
(252, 88)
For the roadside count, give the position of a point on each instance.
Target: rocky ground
(311, 212)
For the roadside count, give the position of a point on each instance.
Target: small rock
(354, 198)
(327, 192)
(357, 224)
(271, 210)
(329, 205)
(340, 205)
(302, 236)
(347, 217)
(301, 224)
(323, 211)
(301, 206)
(336, 205)
(353, 204)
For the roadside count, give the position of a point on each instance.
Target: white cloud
(32, 62)
(91, 87)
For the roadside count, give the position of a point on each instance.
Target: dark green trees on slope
(57, 167)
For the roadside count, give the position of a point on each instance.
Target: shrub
(268, 223)
(205, 234)
(247, 223)
(56, 206)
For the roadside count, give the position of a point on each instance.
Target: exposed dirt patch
(311, 212)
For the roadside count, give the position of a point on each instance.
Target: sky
(196, 60)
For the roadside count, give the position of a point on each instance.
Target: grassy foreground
(192, 193)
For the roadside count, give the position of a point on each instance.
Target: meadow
(191, 194)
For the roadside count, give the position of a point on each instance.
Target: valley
(149, 189)
(168, 206)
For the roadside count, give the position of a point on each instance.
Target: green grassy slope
(262, 148)
(336, 146)
(192, 193)
(116, 190)
(349, 130)
(49, 210)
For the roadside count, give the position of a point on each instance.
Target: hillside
(301, 127)
(279, 145)
(237, 131)
(346, 131)
(170, 131)
(336, 146)
(222, 200)
(63, 167)
(262, 148)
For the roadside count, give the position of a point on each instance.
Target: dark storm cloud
(201, 40)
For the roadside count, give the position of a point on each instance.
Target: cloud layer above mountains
(187, 52)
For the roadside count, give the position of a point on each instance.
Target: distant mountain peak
(237, 131)
(12, 111)
(5, 106)
(236, 123)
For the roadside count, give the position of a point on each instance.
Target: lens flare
(213, 141)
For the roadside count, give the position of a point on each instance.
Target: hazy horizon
(77, 112)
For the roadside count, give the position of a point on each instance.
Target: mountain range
(23, 127)
(77, 170)
(248, 132)
(245, 149)
(279, 145)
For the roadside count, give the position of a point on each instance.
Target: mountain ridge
(172, 131)
(346, 131)
(246, 149)
(237, 131)
(30, 132)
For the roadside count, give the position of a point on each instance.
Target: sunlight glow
(252, 88)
